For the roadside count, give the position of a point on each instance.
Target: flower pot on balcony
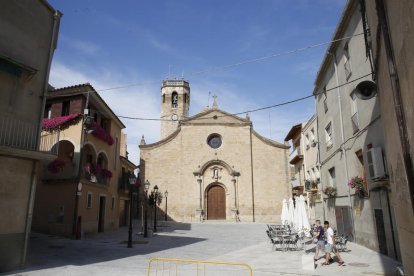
(361, 193)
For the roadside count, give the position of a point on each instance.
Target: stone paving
(107, 253)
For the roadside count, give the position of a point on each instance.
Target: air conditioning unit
(375, 163)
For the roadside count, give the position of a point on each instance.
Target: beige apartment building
(27, 44)
(392, 36)
(351, 142)
(214, 165)
(303, 160)
(85, 189)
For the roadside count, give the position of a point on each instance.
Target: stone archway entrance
(216, 203)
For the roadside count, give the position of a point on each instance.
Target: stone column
(235, 208)
(235, 193)
(200, 211)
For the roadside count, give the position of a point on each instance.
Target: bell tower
(175, 104)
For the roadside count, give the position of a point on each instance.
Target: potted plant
(105, 174)
(91, 171)
(56, 165)
(330, 191)
(358, 183)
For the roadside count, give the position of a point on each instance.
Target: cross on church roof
(215, 101)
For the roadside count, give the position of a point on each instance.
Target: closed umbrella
(301, 217)
(284, 217)
(296, 215)
(291, 210)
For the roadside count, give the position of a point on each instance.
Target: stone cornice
(270, 142)
(210, 163)
(161, 142)
(203, 113)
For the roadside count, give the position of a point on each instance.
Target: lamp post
(146, 187)
(132, 180)
(155, 195)
(166, 205)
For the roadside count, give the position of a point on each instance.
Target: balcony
(295, 156)
(24, 135)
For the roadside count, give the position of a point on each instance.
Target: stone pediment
(216, 117)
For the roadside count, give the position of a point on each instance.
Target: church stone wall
(186, 162)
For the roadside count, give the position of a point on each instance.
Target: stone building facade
(351, 142)
(88, 191)
(391, 28)
(216, 167)
(28, 38)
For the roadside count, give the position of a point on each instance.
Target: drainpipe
(319, 164)
(33, 182)
(29, 211)
(251, 168)
(338, 89)
(55, 31)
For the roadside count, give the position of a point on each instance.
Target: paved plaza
(107, 253)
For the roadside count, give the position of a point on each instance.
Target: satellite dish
(365, 90)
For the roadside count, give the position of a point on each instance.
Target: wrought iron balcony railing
(21, 134)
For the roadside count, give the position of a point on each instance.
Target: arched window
(174, 100)
(163, 98)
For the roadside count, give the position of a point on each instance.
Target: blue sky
(116, 43)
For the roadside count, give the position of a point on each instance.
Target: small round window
(214, 141)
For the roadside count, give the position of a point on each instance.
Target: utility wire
(271, 56)
(228, 66)
(261, 108)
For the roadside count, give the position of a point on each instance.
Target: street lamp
(155, 195)
(146, 187)
(166, 205)
(132, 180)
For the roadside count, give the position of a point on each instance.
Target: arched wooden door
(216, 203)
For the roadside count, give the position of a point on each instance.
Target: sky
(140, 43)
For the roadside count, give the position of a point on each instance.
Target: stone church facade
(213, 164)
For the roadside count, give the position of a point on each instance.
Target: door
(101, 220)
(216, 203)
(344, 222)
(382, 238)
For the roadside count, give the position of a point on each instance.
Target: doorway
(101, 217)
(216, 203)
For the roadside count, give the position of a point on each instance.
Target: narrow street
(107, 253)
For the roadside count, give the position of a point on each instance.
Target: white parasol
(284, 217)
(302, 221)
(291, 210)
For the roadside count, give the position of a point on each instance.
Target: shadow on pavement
(47, 251)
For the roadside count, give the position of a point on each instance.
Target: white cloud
(136, 101)
(85, 47)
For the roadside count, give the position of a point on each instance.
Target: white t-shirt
(329, 235)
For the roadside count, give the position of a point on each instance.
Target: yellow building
(84, 189)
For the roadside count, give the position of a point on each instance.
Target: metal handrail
(197, 262)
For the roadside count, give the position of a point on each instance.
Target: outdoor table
(283, 238)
